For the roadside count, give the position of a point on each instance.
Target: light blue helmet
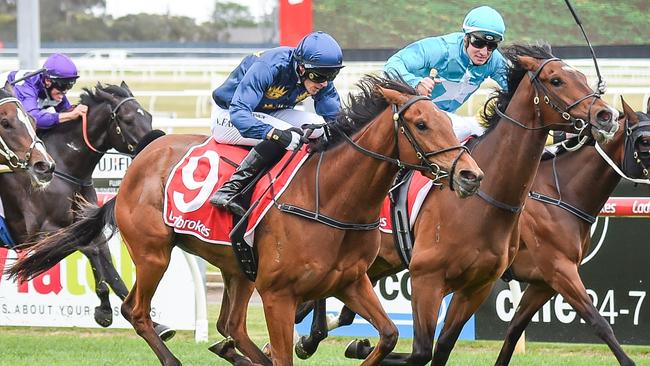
(319, 50)
(485, 21)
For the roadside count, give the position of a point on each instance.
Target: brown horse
(464, 246)
(299, 259)
(21, 151)
(554, 241)
(552, 266)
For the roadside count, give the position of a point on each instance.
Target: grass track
(68, 346)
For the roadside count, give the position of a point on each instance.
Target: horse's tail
(43, 254)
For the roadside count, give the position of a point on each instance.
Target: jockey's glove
(289, 139)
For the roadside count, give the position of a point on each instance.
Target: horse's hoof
(267, 349)
(356, 349)
(221, 348)
(164, 332)
(300, 350)
(103, 317)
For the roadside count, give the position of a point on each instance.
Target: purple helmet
(60, 66)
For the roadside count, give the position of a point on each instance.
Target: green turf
(68, 346)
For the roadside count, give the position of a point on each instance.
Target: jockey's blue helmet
(319, 53)
(486, 23)
(60, 66)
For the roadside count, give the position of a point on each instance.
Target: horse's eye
(421, 126)
(556, 82)
(644, 143)
(5, 123)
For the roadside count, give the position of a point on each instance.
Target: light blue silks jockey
(458, 77)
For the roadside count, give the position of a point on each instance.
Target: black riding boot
(226, 196)
(262, 156)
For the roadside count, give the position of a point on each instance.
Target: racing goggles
(321, 75)
(63, 84)
(480, 43)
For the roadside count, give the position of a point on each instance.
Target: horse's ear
(647, 107)
(391, 96)
(529, 63)
(9, 88)
(99, 91)
(126, 87)
(629, 112)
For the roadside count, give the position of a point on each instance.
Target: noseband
(12, 158)
(115, 118)
(400, 127)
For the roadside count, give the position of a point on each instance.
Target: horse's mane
(92, 98)
(361, 108)
(516, 73)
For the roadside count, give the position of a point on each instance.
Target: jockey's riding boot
(226, 196)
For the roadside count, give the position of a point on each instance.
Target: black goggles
(321, 75)
(63, 84)
(480, 43)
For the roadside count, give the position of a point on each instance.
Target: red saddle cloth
(200, 173)
(417, 191)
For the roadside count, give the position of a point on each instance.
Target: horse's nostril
(43, 167)
(468, 175)
(604, 116)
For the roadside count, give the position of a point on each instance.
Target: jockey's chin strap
(10, 156)
(400, 127)
(115, 118)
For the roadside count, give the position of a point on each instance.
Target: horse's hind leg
(239, 291)
(307, 346)
(567, 282)
(151, 259)
(463, 305)
(103, 312)
(361, 298)
(534, 297)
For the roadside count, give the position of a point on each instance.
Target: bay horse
(554, 241)
(115, 120)
(464, 246)
(385, 127)
(21, 151)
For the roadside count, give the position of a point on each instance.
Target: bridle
(632, 167)
(12, 158)
(400, 127)
(554, 102)
(115, 119)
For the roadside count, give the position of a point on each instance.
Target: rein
(552, 100)
(12, 158)
(400, 127)
(425, 165)
(118, 130)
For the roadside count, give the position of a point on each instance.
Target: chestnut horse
(299, 259)
(554, 241)
(115, 120)
(464, 246)
(21, 151)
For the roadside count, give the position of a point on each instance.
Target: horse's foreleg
(463, 305)
(534, 297)
(303, 310)
(150, 265)
(361, 298)
(567, 282)
(307, 346)
(279, 311)
(224, 310)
